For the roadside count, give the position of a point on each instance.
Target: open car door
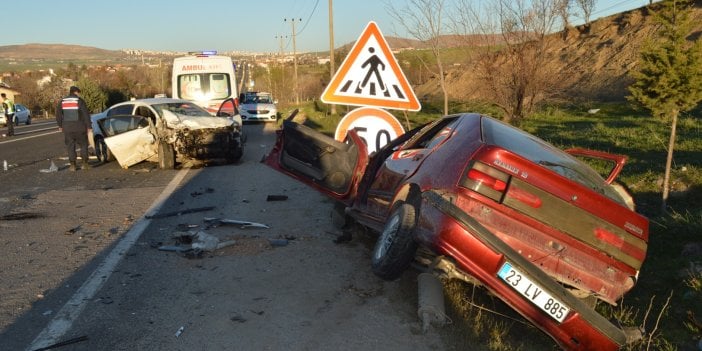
(129, 139)
(330, 166)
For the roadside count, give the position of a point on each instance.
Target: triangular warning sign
(370, 76)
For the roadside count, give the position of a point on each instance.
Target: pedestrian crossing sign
(370, 76)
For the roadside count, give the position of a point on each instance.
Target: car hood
(257, 106)
(179, 121)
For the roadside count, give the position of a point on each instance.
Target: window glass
(204, 86)
(121, 110)
(545, 155)
(433, 134)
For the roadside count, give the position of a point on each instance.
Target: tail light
(619, 242)
(486, 180)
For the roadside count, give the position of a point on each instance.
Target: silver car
(22, 115)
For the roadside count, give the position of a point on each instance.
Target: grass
(666, 299)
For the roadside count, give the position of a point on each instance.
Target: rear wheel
(166, 156)
(395, 247)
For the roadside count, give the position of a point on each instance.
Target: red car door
(332, 167)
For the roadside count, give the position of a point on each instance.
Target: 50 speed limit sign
(375, 126)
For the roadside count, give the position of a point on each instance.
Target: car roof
(152, 101)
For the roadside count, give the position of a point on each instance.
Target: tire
(395, 247)
(29, 120)
(166, 156)
(235, 155)
(102, 152)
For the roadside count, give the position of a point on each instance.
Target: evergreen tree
(94, 97)
(668, 79)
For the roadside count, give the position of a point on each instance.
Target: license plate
(533, 292)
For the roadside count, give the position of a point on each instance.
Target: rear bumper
(481, 254)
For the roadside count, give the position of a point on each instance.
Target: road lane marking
(18, 138)
(68, 314)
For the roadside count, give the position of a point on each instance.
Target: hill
(56, 52)
(592, 61)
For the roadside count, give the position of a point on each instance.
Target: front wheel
(166, 156)
(29, 120)
(395, 247)
(102, 152)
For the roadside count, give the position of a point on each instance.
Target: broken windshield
(182, 108)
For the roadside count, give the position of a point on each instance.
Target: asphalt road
(81, 260)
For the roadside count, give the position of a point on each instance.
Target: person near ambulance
(9, 107)
(73, 118)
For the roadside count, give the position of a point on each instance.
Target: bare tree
(586, 6)
(423, 20)
(511, 63)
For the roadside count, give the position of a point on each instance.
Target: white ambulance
(204, 78)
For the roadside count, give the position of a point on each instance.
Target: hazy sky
(223, 25)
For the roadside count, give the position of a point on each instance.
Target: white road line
(18, 138)
(68, 314)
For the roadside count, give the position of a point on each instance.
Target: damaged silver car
(167, 131)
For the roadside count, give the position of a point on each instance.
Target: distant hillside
(593, 62)
(56, 52)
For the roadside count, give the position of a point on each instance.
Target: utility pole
(281, 61)
(331, 50)
(297, 94)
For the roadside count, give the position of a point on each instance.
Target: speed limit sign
(375, 126)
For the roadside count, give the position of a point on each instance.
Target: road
(81, 260)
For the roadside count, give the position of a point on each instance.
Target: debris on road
(192, 244)
(73, 230)
(243, 224)
(276, 198)
(52, 168)
(181, 212)
(63, 343)
(19, 216)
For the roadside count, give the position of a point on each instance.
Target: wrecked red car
(494, 205)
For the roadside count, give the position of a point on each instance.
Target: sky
(222, 25)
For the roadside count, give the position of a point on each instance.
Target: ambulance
(204, 78)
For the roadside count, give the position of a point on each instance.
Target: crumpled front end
(208, 143)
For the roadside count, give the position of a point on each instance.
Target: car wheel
(395, 247)
(166, 156)
(102, 152)
(29, 120)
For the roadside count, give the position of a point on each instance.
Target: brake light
(486, 181)
(619, 242)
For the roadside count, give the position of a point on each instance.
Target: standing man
(73, 120)
(9, 108)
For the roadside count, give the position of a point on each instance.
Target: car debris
(52, 168)
(242, 224)
(431, 310)
(196, 242)
(180, 212)
(63, 343)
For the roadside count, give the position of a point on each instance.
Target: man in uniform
(9, 108)
(73, 120)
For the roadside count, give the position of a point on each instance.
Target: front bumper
(481, 254)
(204, 144)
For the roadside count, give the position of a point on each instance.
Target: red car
(535, 225)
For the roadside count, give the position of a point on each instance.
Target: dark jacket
(72, 114)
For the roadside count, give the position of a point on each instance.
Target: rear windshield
(545, 155)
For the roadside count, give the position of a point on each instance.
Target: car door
(330, 166)
(129, 138)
